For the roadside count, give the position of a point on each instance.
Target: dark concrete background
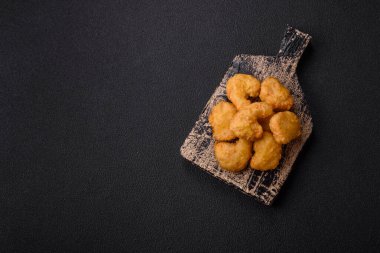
(96, 98)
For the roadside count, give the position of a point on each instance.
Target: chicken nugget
(276, 94)
(233, 156)
(240, 87)
(267, 153)
(285, 127)
(220, 118)
(244, 124)
(259, 109)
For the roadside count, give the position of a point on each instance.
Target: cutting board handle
(293, 45)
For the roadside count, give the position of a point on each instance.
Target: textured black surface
(97, 97)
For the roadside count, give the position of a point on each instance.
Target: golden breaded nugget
(220, 118)
(267, 153)
(259, 109)
(276, 94)
(240, 87)
(285, 127)
(244, 124)
(233, 156)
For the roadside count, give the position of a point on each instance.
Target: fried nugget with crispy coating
(244, 124)
(240, 87)
(233, 156)
(285, 127)
(267, 153)
(276, 94)
(220, 118)
(259, 109)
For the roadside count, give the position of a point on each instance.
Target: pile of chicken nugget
(254, 132)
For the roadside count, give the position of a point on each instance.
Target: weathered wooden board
(199, 145)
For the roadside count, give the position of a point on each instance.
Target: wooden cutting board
(198, 147)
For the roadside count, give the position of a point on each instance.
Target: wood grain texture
(198, 147)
